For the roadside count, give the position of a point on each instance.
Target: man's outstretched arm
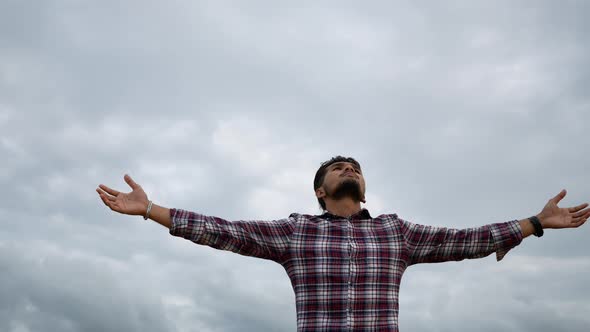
(263, 239)
(428, 244)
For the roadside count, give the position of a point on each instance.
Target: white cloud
(248, 143)
(17, 326)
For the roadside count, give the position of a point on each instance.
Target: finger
(581, 213)
(580, 217)
(577, 208)
(130, 182)
(111, 204)
(559, 196)
(579, 222)
(103, 193)
(109, 190)
(105, 200)
(107, 196)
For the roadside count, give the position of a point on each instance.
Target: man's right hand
(133, 203)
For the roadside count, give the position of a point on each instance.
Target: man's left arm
(428, 244)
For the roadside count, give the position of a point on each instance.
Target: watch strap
(537, 225)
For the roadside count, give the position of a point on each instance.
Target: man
(345, 266)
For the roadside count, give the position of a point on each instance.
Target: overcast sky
(461, 113)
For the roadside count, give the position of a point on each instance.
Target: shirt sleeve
(428, 244)
(262, 239)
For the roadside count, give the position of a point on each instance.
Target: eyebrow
(341, 163)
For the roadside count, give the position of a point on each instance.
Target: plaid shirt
(346, 272)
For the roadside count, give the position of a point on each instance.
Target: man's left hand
(553, 216)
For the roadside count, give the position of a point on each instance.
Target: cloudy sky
(462, 113)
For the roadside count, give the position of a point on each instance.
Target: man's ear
(320, 193)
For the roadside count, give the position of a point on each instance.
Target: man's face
(343, 179)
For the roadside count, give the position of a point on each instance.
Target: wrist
(542, 219)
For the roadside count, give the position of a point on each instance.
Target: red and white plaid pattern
(346, 272)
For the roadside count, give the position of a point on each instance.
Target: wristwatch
(537, 225)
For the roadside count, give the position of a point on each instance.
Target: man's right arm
(256, 238)
(263, 239)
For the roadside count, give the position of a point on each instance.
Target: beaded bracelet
(147, 214)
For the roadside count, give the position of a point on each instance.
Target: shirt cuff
(185, 224)
(506, 236)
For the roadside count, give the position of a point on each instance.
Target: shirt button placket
(349, 293)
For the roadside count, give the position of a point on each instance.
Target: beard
(347, 188)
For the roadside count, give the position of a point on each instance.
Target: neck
(344, 207)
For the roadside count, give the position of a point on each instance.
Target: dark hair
(318, 181)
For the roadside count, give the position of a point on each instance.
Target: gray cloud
(462, 113)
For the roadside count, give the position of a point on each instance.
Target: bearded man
(345, 265)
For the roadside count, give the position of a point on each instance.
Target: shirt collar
(362, 214)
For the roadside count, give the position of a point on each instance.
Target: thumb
(559, 196)
(130, 182)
